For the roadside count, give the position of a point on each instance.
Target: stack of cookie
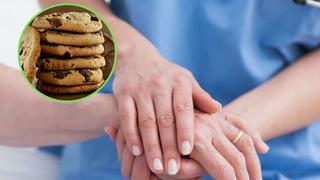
(71, 54)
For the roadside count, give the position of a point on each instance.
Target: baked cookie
(108, 44)
(71, 77)
(67, 96)
(73, 39)
(30, 52)
(44, 87)
(71, 51)
(90, 62)
(80, 22)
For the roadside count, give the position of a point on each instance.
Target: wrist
(97, 112)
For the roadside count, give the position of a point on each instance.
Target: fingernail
(172, 167)
(266, 147)
(157, 165)
(219, 104)
(186, 148)
(107, 130)
(136, 150)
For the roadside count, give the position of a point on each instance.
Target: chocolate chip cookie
(64, 96)
(80, 22)
(44, 87)
(89, 62)
(71, 77)
(73, 39)
(30, 52)
(71, 51)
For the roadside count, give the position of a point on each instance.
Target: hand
(136, 168)
(221, 158)
(159, 96)
(230, 164)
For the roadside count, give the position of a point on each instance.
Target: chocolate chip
(61, 74)
(47, 60)
(86, 74)
(21, 51)
(94, 17)
(66, 55)
(69, 18)
(54, 22)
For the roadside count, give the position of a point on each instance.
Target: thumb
(203, 101)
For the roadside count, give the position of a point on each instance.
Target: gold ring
(236, 139)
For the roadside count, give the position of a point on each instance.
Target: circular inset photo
(67, 52)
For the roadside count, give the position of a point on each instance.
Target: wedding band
(236, 139)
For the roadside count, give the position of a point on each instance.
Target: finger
(120, 142)
(260, 145)
(129, 124)
(167, 130)
(231, 154)
(190, 169)
(149, 133)
(203, 101)
(213, 162)
(246, 146)
(153, 177)
(184, 115)
(140, 170)
(112, 133)
(127, 162)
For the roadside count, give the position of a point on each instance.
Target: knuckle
(188, 73)
(127, 89)
(226, 171)
(199, 144)
(247, 141)
(180, 79)
(185, 72)
(184, 106)
(158, 82)
(125, 117)
(151, 148)
(147, 121)
(166, 120)
(238, 159)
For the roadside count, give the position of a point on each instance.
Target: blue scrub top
(231, 46)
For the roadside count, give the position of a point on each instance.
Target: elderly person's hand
(213, 154)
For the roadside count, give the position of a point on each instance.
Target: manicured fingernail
(172, 167)
(107, 130)
(136, 150)
(186, 148)
(219, 104)
(266, 147)
(157, 165)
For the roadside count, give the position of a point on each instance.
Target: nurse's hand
(213, 151)
(156, 101)
(136, 168)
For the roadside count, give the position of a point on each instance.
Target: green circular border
(114, 44)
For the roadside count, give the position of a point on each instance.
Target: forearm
(28, 119)
(289, 101)
(129, 41)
